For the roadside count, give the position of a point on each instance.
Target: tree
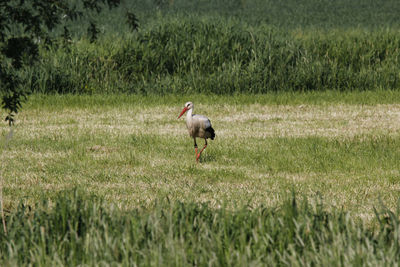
(24, 25)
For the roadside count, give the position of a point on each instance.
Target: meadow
(130, 155)
(304, 98)
(133, 149)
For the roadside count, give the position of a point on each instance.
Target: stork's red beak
(183, 112)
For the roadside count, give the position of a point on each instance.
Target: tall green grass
(227, 47)
(188, 55)
(75, 229)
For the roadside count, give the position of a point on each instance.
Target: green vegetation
(75, 229)
(27, 26)
(191, 55)
(304, 97)
(289, 14)
(226, 47)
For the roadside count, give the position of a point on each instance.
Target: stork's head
(188, 105)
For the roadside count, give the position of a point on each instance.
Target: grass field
(140, 192)
(304, 171)
(133, 150)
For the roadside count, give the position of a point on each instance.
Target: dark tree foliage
(132, 21)
(24, 25)
(92, 32)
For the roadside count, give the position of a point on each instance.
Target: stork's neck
(189, 115)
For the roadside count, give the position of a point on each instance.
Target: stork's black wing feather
(211, 131)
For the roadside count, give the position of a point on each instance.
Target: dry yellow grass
(231, 121)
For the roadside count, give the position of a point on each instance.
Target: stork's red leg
(205, 145)
(198, 155)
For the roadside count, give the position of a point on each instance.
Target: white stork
(198, 126)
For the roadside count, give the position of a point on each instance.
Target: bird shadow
(204, 158)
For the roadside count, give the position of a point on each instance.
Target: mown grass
(132, 149)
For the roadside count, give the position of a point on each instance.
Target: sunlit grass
(133, 150)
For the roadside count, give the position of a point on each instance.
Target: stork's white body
(198, 126)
